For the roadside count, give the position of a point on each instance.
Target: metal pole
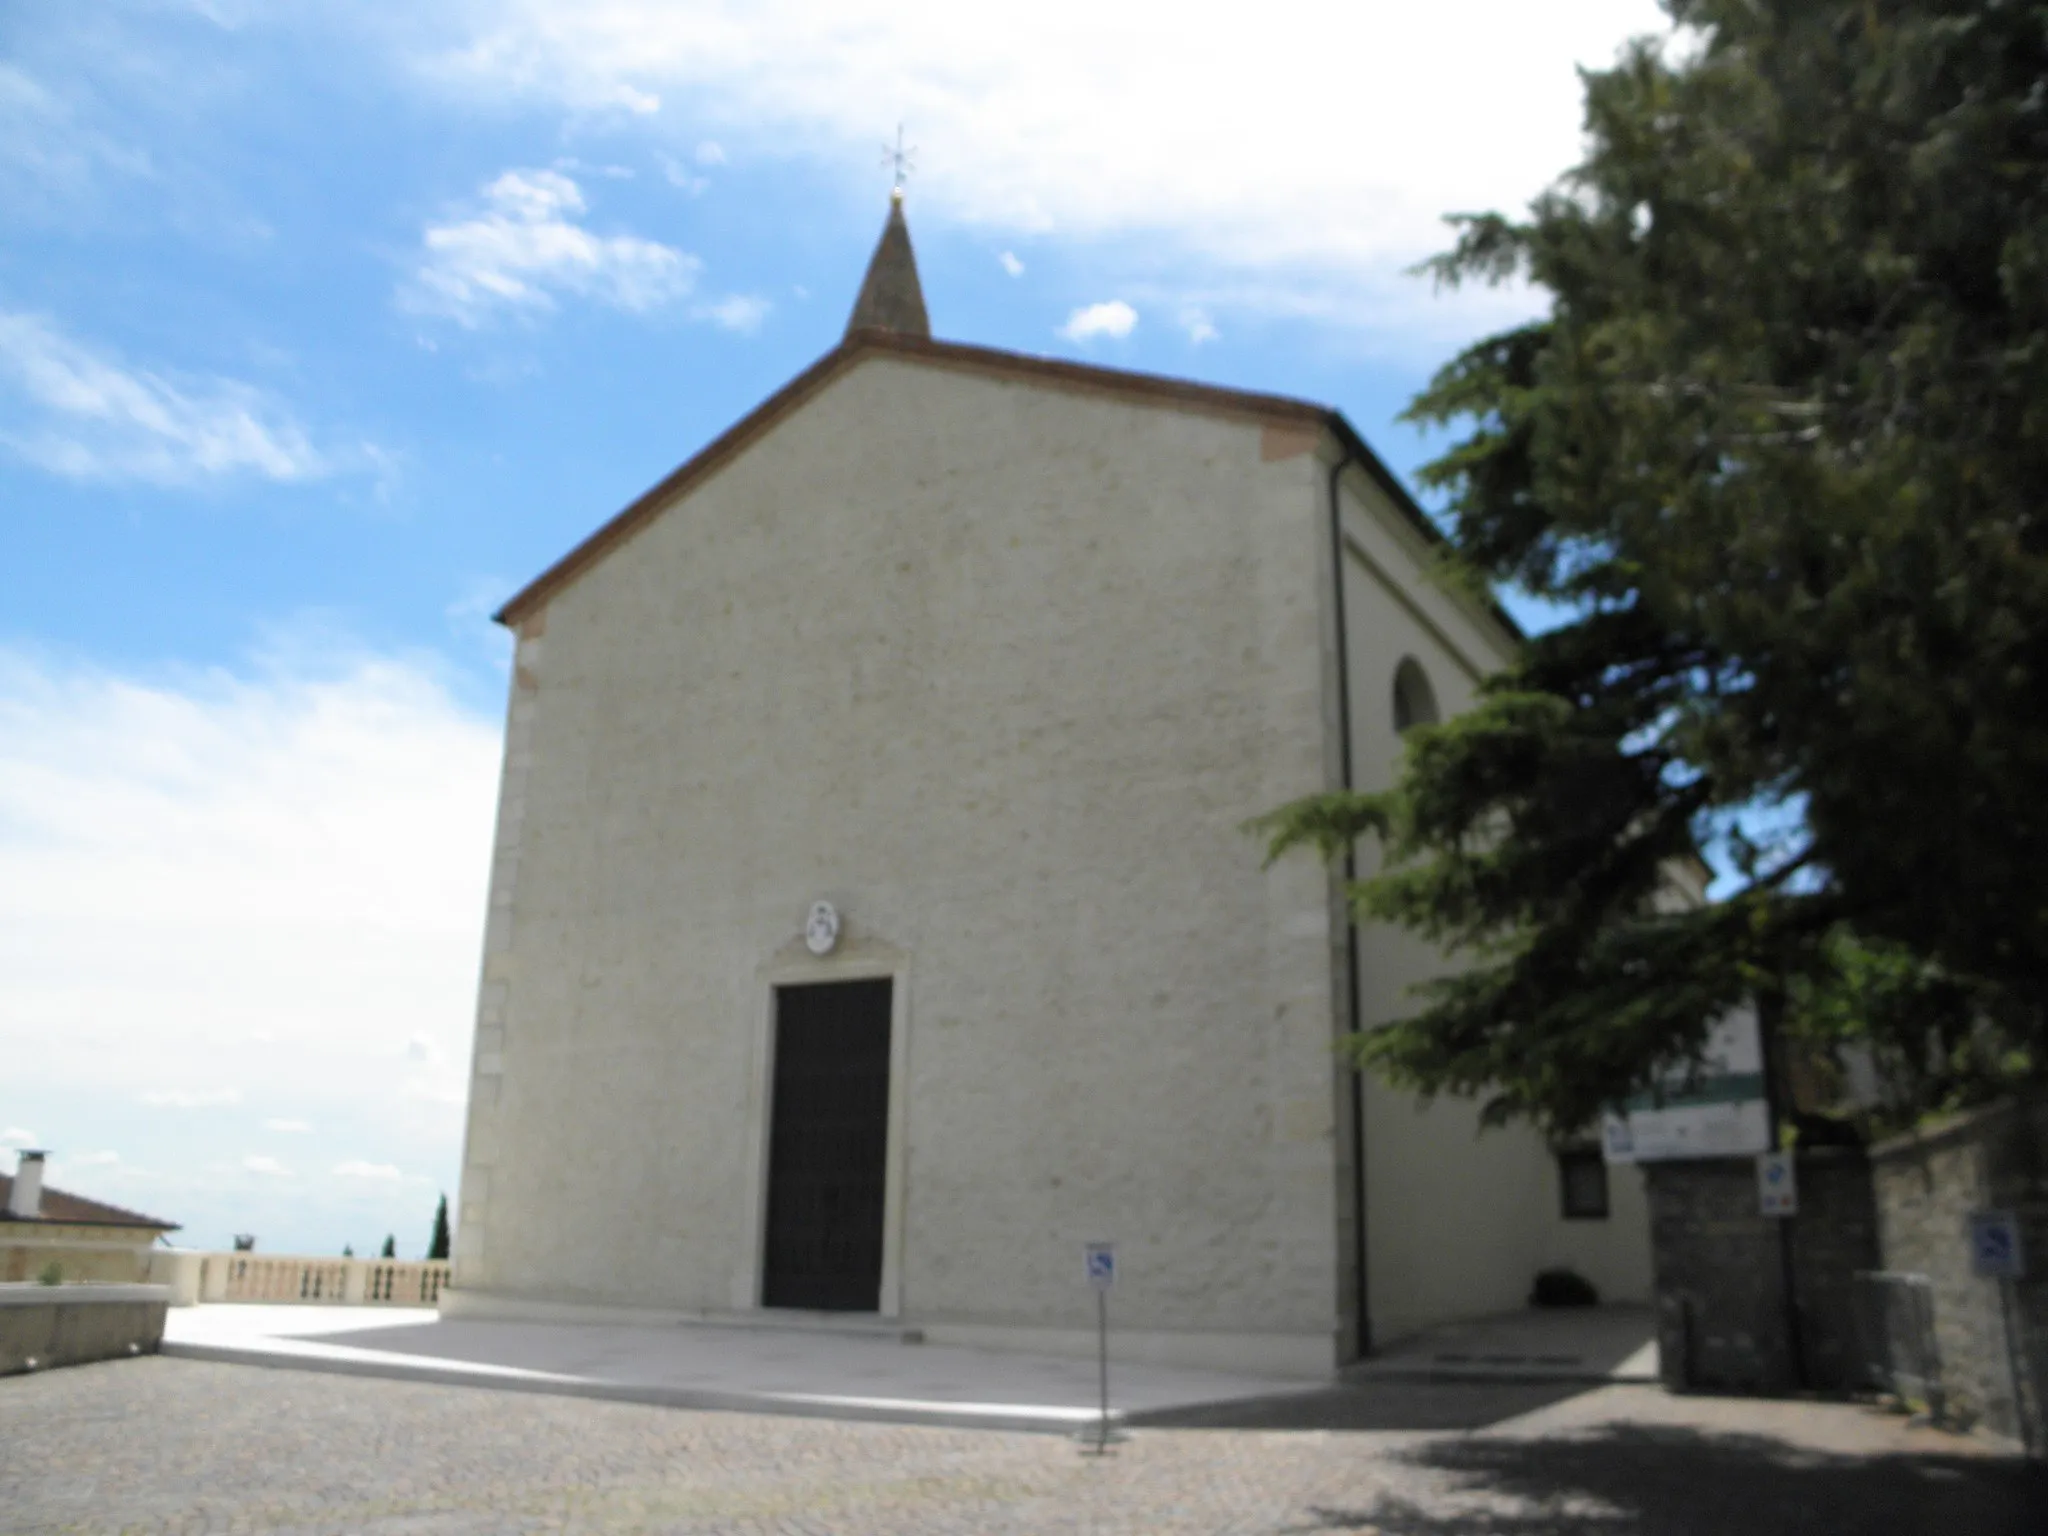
(1767, 1006)
(2025, 1406)
(1102, 1361)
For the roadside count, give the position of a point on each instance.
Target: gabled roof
(1080, 378)
(77, 1211)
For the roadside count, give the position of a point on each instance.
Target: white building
(996, 655)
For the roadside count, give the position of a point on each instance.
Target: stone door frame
(867, 962)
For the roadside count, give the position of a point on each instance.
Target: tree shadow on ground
(1370, 1405)
(1642, 1481)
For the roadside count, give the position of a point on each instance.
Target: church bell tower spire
(891, 299)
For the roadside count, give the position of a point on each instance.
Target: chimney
(25, 1200)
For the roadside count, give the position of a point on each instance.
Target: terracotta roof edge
(866, 340)
(619, 524)
(136, 1220)
(93, 1213)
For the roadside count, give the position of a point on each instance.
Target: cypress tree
(438, 1247)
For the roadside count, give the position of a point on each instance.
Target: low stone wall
(1992, 1335)
(1722, 1321)
(46, 1325)
(180, 1270)
(80, 1251)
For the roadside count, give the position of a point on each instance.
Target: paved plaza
(170, 1445)
(866, 1373)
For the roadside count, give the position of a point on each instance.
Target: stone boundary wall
(1722, 1322)
(83, 1251)
(1993, 1335)
(46, 1325)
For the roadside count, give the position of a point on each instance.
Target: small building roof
(64, 1209)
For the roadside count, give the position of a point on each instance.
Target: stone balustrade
(195, 1277)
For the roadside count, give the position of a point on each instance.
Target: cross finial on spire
(891, 298)
(901, 162)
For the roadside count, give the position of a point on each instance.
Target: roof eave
(725, 445)
(1358, 449)
(1209, 398)
(142, 1225)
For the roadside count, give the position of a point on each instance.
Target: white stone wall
(1000, 670)
(1458, 1221)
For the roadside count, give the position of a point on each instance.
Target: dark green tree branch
(1780, 446)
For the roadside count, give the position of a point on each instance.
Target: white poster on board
(1716, 1110)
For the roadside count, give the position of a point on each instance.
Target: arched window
(1414, 699)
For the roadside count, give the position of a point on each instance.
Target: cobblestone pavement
(162, 1445)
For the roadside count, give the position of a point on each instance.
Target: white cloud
(569, 165)
(523, 248)
(1114, 318)
(742, 312)
(191, 1098)
(356, 1168)
(1094, 119)
(534, 197)
(15, 1136)
(51, 153)
(1011, 264)
(711, 152)
(93, 1160)
(680, 175)
(1198, 325)
(86, 416)
(299, 846)
(268, 1166)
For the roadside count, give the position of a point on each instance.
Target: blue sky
(321, 334)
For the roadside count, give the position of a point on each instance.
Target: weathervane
(900, 161)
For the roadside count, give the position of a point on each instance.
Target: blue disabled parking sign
(1995, 1245)
(1101, 1262)
(1098, 1262)
(1777, 1184)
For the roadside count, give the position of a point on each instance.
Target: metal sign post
(1997, 1255)
(1099, 1261)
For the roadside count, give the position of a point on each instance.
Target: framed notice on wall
(1715, 1108)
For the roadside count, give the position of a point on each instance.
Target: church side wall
(1000, 670)
(1458, 1220)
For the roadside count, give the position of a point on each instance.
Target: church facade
(872, 919)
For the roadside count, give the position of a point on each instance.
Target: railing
(403, 1284)
(268, 1279)
(250, 1277)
